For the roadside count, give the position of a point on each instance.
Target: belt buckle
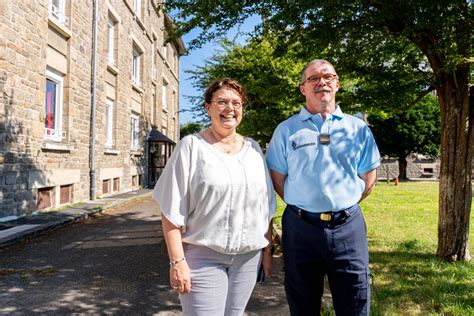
(325, 217)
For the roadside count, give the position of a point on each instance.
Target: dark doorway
(160, 148)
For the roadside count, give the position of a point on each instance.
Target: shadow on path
(115, 263)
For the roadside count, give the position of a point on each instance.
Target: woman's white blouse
(221, 201)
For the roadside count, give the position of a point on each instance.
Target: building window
(153, 108)
(175, 129)
(164, 90)
(57, 11)
(54, 104)
(137, 7)
(428, 170)
(165, 51)
(134, 132)
(173, 103)
(153, 60)
(116, 184)
(136, 64)
(65, 194)
(135, 181)
(45, 198)
(109, 122)
(111, 24)
(176, 61)
(171, 60)
(106, 186)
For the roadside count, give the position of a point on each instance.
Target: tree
(402, 133)
(271, 84)
(405, 48)
(190, 128)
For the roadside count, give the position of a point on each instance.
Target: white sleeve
(172, 189)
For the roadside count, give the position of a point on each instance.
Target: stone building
(418, 167)
(52, 105)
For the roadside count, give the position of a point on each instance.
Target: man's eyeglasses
(222, 104)
(327, 79)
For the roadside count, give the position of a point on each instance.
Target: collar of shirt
(317, 118)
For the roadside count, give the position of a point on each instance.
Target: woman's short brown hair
(224, 83)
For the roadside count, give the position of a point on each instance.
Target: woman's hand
(180, 277)
(267, 259)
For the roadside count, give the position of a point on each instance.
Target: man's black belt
(328, 217)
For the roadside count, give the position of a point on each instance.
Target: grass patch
(402, 224)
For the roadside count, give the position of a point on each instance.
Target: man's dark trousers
(314, 248)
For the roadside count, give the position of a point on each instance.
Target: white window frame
(164, 95)
(165, 51)
(58, 12)
(111, 40)
(171, 59)
(153, 72)
(56, 133)
(134, 132)
(136, 63)
(153, 106)
(137, 7)
(109, 122)
(153, 43)
(153, 60)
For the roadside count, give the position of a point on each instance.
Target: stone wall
(388, 169)
(38, 170)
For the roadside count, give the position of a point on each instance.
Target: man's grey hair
(315, 61)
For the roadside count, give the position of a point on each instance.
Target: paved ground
(31, 226)
(115, 263)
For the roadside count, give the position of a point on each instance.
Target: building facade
(418, 167)
(53, 105)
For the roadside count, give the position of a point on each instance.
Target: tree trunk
(402, 167)
(455, 191)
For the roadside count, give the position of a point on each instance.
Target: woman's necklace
(225, 147)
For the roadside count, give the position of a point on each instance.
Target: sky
(196, 57)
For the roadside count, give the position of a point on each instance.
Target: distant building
(46, 104)
(418, 167)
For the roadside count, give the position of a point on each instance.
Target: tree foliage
(369, 40)
(271, 84)
(273, 95)
(413, 131)
(190, 128)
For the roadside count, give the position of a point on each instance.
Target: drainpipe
(93, 100)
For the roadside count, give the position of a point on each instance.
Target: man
(322, 163)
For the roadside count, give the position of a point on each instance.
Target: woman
(217, 202)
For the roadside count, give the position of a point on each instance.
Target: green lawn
(408, 278)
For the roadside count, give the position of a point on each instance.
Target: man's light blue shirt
(323, 177)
